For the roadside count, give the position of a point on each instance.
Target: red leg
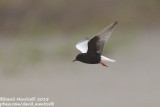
(103, 64)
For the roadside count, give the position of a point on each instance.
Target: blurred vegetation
(39, 16)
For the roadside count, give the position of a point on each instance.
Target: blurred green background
(37, 46)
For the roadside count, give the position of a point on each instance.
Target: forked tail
(105, 59)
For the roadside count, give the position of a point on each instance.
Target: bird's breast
(91, 59)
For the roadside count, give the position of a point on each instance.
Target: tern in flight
(92, 50)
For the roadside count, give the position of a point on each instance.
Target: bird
(91, 51)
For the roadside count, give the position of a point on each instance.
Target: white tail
(105, 59)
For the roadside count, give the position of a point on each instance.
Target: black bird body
(92, 50)
(85, 58)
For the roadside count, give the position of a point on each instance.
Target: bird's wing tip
(115, 23)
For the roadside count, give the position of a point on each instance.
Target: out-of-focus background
(37, 46)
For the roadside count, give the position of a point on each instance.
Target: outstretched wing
(96, 44)
(83, 45)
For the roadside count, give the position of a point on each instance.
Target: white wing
(83, 45)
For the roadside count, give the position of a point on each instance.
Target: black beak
(74, 60)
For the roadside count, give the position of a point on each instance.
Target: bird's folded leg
(103, 64)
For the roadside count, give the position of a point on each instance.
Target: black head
(80, 57)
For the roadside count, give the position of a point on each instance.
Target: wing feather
(96, 44)
(83, 45)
